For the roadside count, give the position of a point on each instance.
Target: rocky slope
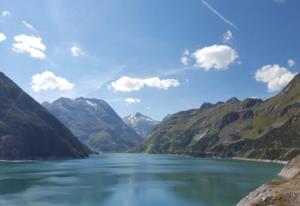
(95, 123)
(29, 131)
(283, 192)
(142, 124)
(251, 128)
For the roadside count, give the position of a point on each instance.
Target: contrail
(219, 15)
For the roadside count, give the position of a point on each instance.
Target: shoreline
(282, 162)
(261, 160)
(282, 191)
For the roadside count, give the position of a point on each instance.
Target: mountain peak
(138, 114)
(233, 100)
(207, 105)
(250, 102)
(62, 99)
(142, 124)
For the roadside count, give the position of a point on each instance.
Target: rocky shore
(280, 192)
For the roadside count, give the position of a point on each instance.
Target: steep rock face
(142, 124)
(29, 131)
(251, 128)
(95, 123)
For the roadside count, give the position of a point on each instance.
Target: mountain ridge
(251, 128)
(95, 123)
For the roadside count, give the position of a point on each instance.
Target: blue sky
(155, 57)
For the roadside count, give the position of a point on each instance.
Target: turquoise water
(131, 180)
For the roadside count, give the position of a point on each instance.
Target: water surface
(131, 180)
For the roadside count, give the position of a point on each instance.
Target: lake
(132, 180)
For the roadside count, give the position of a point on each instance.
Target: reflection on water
(131, 180)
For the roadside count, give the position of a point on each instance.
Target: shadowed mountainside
(29, 131)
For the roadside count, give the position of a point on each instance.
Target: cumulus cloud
(128, 84)
(291, 62)
(49, 81)
(227, 36)
(132, 100)
(28, 25)
(2, 37)
(217, 57)
(29, 44)
(76, 51)
(275, 76)
(5, 13)
(185, 58)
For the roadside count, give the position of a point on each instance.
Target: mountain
(251, 128)
(142, 124)
(166, 117)
(95, 123)
(29, 131)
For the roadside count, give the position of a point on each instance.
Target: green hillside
(251, 128)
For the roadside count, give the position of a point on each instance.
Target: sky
(156, 57)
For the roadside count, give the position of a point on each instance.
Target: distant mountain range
(95, 123)
(142, 124)
(251, 128)
(29, 131)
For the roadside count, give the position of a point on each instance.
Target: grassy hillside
(251, 128)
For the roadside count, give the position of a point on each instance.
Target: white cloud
(275, 76)
(5, 13)
(185, 58)
(28, 25)
(217, 57)
(76, 51)
(227, 36)
(291, 62)
(30, 44)
(128, 84)
(2, 37)
(49, 81)
(132, 100)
